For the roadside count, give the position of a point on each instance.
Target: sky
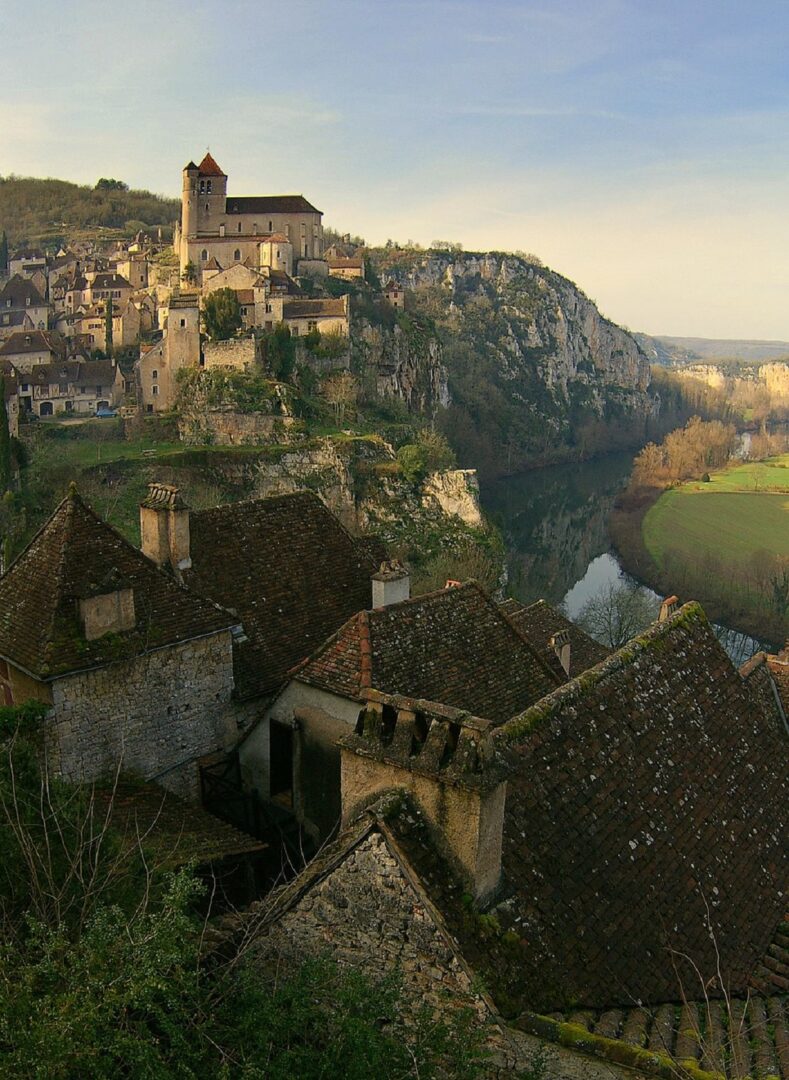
(640, 147)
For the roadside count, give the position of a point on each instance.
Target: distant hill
(679, 351)
(46, 212)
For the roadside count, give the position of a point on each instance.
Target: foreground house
(455, 647)
(138, 671)
(612, 863)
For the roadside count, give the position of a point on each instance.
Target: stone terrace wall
(238, 353)
(155, 714)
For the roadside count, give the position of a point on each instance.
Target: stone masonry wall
(368, 915)
(155, 715)
(238, 353)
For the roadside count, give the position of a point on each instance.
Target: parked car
(105, 413)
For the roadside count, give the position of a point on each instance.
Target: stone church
(236, 229)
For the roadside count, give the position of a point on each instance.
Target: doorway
(281, 763)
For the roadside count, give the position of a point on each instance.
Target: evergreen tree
(108, 327)
(3, 253)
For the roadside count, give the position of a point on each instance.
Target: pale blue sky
(639, 147)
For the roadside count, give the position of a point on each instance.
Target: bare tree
(617, 612)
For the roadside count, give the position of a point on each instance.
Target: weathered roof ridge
(512, 730)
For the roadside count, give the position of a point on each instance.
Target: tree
(618, 612)
(340, 390)
(108, 326)
(3, 253)
(221, 314)
(190, 273)
(111, 185)
(280, 352)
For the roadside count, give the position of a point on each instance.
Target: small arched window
(208, 186)
(202, 186)
(203, 255)
(237, 255)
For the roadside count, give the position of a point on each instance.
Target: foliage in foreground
(103, 971)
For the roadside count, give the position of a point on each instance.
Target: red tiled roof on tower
(208, 167)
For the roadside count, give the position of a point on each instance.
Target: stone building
(20, 297)
(71, 386)
(455, 647)
(156, 371)
(241, 228)
(330, 316)
(347, 267)
(611, 863)
(137, 671)
(27, 350)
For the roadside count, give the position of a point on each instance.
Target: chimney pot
(667, 608)
(392, 584)
(560, 643)
(164, 527)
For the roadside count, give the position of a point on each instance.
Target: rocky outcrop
(405, 362)
(456, 492)
(535, 372)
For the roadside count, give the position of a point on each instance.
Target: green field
(741, 510)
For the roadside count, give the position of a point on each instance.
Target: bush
(412, 460)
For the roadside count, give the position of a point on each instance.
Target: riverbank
(724, 543)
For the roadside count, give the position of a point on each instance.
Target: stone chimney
(164, 527)
(439, 755)
(560, 643)
(391, 584)
(667, 608)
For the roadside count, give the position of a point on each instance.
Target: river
(555, 525)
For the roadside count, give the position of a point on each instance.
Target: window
(271, 226)
(207, 207)
(82, 389)
(287, 232)
(203, 255)
(149, 408)
(98, 391)
(239, 226)
(154, 374)
(208, 186)
(27, 301)
(237, 255)
(255, 228)
(311, 325)
(154, 390)
(183, 322)
(25, 387)
(202, 186)
(222, 229)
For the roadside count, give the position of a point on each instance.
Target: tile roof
(269, 204)
(350, 262)
(289, 569)
(110, 280)
(208, 167)
(539, 622)
(641, 792)
(18, 290)
(92, 372)
(20, 343)
(178, 832)
(77, 555)
(306, 309)
(453, 647)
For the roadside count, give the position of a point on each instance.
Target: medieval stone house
(455, 647)
(138, 672)
(612, 863)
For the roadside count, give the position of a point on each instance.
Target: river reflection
(555, 526)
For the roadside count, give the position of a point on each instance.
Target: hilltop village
(581, 846)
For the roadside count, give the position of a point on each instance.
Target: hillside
(680, 351)
(47, 212)
(535, 373)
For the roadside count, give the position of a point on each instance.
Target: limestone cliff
(535, 372)
(402, 361)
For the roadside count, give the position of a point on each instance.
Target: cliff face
(403, 362)
(535, 372)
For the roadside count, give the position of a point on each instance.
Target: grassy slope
(741, 510)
